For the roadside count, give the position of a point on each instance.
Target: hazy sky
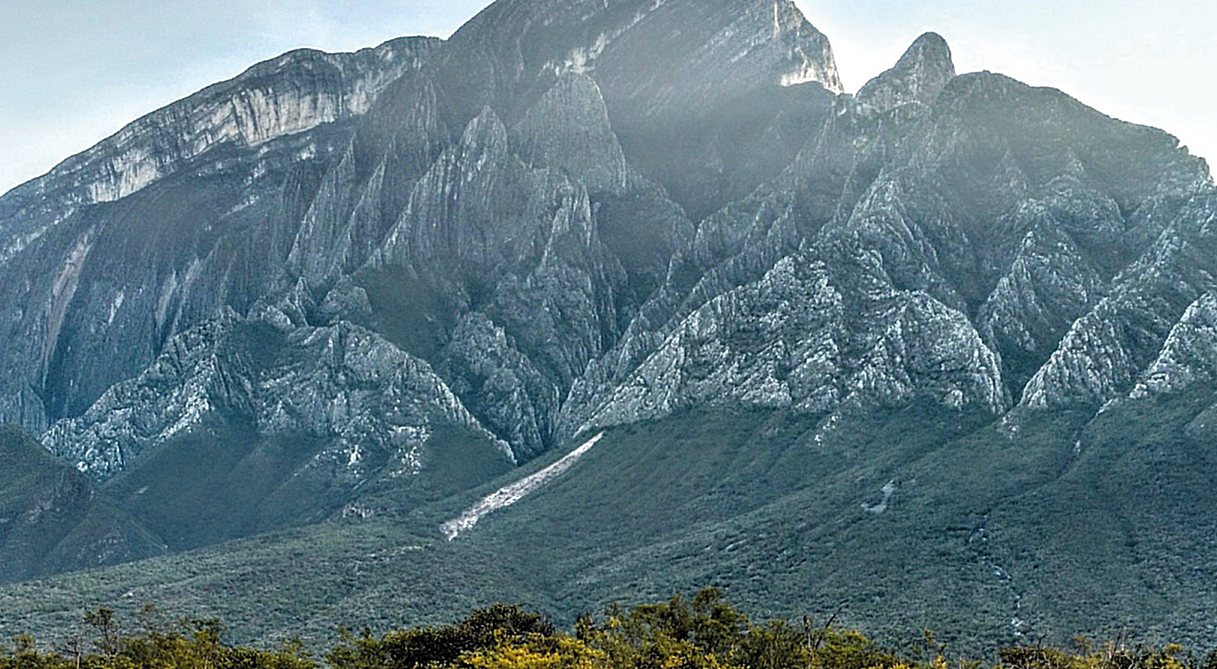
(74, 71)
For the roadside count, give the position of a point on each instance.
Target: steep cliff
(185, 210)
(293, 93)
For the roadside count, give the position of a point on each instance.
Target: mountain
(630, 294)
(175, 194)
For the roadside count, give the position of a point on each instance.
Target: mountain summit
(940, 350)
(919, 76)
(653, 60)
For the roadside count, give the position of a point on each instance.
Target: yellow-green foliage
(537, 652)
(704, 632)
(186, 645)
(1110, 656)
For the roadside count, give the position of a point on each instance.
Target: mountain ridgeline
(939, 349)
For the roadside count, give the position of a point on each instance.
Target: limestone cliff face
(485, 234)
(569, 129)
(691, 86)
(295, 92)
(668, 60)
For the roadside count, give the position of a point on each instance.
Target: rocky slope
(1189, 356)
(374, 405)
(804, 339)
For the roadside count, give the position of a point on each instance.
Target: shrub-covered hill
(53, 517)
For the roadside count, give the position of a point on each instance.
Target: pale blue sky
(74, 71)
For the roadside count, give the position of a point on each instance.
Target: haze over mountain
(61, 97)
(594, 298)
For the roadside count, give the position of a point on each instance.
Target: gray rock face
(569, 129)
(456, 211)
(501, 384)
(373, 405)
(295, 92)
(1024, 246)
(1049, 285)
(683, 81)
(484, 233)
(654, 61)
(1107, 350)
(1189, 357)
(919, 76)
(808, 339)
(96, 297)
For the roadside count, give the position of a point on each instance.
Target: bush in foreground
(704, 632)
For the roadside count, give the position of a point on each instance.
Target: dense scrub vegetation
(704, 632)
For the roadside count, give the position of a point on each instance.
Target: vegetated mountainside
(53, 518)
(892, 347)
(909, 519)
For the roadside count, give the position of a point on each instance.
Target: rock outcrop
(1189, 357)
(1107, 351)
(373, 406)
(813, 340)
(919, 76)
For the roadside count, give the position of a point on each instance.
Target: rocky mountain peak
(919, 76)
(653, 60)
(929, 47)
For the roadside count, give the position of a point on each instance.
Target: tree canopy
(702, 632)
